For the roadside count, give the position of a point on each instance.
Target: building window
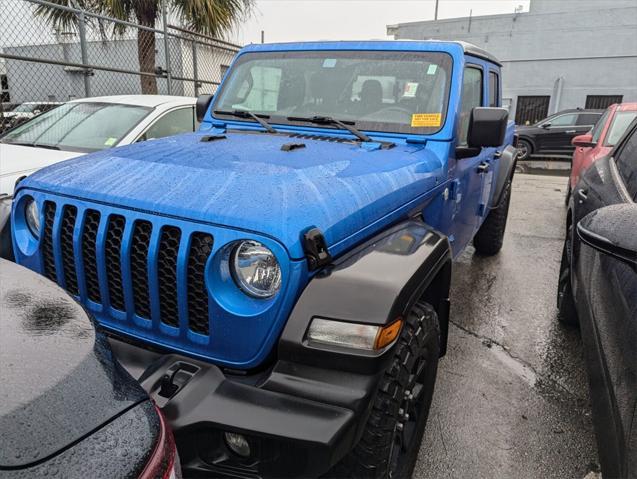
(601, 102)
(531, 109)
(223, 69)
(494, 89)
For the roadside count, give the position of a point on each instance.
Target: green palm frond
(215, 18)
(63, 20)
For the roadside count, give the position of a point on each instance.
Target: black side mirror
(203, 102)
(545, 125)
(612, 230)
(487, 127)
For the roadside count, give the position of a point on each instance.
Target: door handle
(571, 131)
(483, 167)
(583, 195)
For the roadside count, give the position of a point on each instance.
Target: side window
(587, 119)
(599, 126)
(172, 123)
(494, 89)
(471, 97)
(563, 120)
(627, 164)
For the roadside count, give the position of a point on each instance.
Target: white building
(559, 55)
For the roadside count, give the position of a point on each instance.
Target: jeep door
(466, 188)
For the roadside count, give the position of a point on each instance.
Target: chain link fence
(95, 56)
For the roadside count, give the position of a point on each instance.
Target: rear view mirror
(487, 127)
(611, 230)
(583, 141)
(203, 102)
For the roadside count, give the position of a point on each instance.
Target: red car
(600, 140)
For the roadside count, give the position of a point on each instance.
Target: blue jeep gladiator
(278, 281)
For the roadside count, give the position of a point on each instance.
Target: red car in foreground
(600, 140)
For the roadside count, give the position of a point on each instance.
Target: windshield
(620, 123)
(80, 127)
(379, 91)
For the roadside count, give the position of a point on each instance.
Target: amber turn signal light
(387, 334)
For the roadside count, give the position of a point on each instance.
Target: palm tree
(210, 17)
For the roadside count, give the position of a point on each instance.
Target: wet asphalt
(511, 398)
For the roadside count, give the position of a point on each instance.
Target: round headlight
(32, 217)
(256, 269)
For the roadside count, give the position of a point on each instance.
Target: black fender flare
(375, 283)
(506, 170)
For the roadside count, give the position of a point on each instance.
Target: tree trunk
(146, 13)
(146, 55)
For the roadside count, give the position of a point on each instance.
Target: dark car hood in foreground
(58, 379)
(246, 181)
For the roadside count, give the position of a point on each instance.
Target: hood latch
(315, 248)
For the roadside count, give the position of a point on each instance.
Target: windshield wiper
(248, 114)
(32, 145)
(328, 120)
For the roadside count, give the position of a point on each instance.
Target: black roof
(471, 49)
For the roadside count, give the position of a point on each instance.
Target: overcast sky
(291, 20)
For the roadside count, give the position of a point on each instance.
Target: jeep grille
(128, 247)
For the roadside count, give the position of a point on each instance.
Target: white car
(83, 126)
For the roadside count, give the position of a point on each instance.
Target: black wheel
(525, 149)
(568, 193)
(490, 237)
(391, 439)
(566, 311)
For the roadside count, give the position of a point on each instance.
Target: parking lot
(512, 394)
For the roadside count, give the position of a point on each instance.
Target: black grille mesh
(47, 241)
(200, 249)
(113, 251)
(69, 215)
(89, 255)
(169, 239)
(139, 267)
(167, 274)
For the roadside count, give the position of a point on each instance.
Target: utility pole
(436, 12)
(262, 36)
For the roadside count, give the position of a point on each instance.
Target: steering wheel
(391, 109)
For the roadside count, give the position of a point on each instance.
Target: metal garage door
(601, 102)
(531, 109)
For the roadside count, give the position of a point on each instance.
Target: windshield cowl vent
(331, 139)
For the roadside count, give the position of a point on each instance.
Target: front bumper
(299, 420)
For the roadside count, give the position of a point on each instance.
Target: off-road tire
(526, 150)
(566, 312)
(490, 237)
(412, 370)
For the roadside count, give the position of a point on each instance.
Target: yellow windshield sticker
(110, 141)
(426, 119)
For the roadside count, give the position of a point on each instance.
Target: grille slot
(200, 249)
(47, 241)
(69, 215)
(139, 267)
(113, 247)
(167, 274)
(89, 255)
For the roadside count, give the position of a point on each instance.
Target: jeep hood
(247, 182)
